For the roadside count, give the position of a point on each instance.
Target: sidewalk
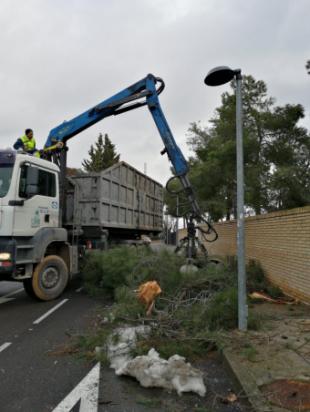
(279, 350)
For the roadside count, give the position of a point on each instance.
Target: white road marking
(84, 397)
(7, 298)
(5, 345)
(79, 289)
(50, 312)
(14, 293)
(4, 300)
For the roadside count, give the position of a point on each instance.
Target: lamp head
(219, 75)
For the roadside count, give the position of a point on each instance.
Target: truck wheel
(50, 278)
(28, 288)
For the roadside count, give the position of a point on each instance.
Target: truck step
(23, 261)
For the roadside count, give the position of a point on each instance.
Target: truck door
(38, 189)
(7, 160)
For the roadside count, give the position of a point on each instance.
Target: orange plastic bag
(147, 294)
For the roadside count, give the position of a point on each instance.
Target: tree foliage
(73, 171)
(101, 156)
(276, 155)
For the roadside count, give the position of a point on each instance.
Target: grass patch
(250, 353)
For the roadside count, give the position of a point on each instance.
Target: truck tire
(28, 288)
(50, 278)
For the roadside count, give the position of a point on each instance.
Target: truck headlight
(5, 256)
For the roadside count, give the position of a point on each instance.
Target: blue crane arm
(142, 93)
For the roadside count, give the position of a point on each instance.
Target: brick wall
(280, 241)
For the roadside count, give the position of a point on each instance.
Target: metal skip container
(119, 199)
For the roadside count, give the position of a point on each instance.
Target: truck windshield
(5, 178)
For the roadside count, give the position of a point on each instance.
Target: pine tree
(276, 155)
(101, 156)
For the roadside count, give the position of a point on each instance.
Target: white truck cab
(33, 245)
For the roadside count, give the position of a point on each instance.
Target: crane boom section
(142, 93)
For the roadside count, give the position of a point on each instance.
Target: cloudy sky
(59, 58)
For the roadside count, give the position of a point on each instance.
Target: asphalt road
(32, 377)
(36, 377)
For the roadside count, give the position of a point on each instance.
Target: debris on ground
(121, 343)
(146, 239)
(152, 371)
(63, 350)
(195, 312)
(230, 398)
(147, 294)
(267, 298)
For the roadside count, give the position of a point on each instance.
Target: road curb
(246, 382)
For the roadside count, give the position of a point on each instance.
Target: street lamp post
(216, 77)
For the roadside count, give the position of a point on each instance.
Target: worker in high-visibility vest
(27, 143)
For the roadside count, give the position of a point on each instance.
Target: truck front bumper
(7, 257)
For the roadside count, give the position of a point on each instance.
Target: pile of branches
(193, 310)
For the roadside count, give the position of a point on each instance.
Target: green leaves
(276, 155)
(102, 156)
